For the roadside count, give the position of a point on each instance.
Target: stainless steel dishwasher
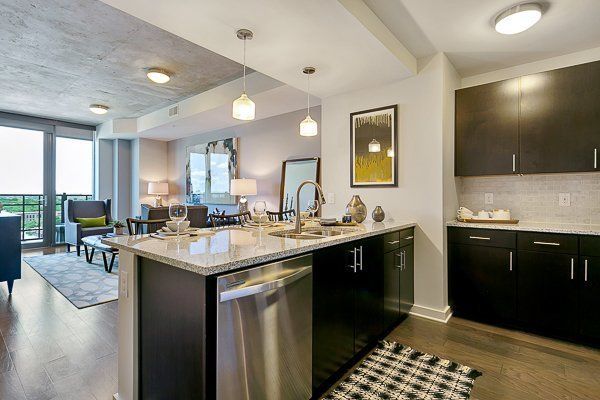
(264, 332)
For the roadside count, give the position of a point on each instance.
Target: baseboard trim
(432, 313)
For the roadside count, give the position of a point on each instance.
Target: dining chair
(218, 220)
(137, 226)
(279, 216)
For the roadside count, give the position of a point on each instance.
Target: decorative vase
(118, 231)
(378, 214)
(357, 209)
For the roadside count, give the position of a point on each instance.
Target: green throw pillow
(92, 222)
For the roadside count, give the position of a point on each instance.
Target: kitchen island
(168, 301)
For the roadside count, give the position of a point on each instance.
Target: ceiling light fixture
(244, 108)
(158, 75)
(518, 18)
(98, 109)
(374, 146)
(308, 127)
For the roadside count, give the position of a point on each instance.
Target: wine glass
(177, 213)
(313, 207)
(260, 209)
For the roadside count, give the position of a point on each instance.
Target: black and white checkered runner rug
(395, 371)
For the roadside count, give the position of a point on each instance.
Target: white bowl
(172, 225)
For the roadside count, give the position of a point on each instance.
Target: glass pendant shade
(390, 152)
(308, 127)
(374, 146)
(243, 108)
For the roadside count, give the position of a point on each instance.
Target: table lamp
(243, 188)
(158, 188)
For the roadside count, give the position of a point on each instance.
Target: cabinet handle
(409, 238)
(399, 255)
(514, 162)
(572, 269)
(360, 265)
(510, 264)
(403, 258)
(354, 265)
(585, 270)
(394, 242)
(547, 243)
(595, 158)
(479, 238)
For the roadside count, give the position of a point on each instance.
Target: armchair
(84, 209)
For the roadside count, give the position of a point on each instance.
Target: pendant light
(308, 127)
(374, 146)
(243, 107)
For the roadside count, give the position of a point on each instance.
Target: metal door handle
(547, 243)
(399, 255)
(409, 237)
(585, 270)
(511, 262)
(514, 162)
(572, 269)
(394, 242)
(361, 258)
(595, 158)
(479, 238)
(266, 286)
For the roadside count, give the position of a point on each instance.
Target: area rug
(83, 284)
(395, 371)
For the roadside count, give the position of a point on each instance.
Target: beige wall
(263, 145)
(423, 122)
(149, 164)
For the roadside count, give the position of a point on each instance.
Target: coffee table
(95, 243)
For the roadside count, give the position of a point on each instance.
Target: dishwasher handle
(266, 286)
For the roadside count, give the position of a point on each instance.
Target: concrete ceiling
(60, 56)
(463, 29)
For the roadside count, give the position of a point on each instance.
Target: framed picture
(209, 169)
(374, 147)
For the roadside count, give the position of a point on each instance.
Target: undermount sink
(310, 233)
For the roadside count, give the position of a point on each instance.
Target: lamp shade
(243, 108)
(308, 127)
(158, 188)
(243, 187)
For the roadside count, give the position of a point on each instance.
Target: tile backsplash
(534, 198)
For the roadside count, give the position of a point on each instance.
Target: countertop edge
(574, 229)
(256, 260)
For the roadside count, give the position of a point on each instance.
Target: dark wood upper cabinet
(560, 120)
(487, 129)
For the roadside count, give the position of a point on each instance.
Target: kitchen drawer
(483, 237)
(407, 236)
(548, 242)
(391, 241)
(589, 246)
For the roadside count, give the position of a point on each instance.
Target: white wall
(103, 169)
(419, 195)
(263, 145)
(121, 179)
(148, 164)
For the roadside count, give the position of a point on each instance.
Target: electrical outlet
(489, 198)
(123, 284)
(330, 198)
(564, 199)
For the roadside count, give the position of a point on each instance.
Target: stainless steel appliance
(264, 332)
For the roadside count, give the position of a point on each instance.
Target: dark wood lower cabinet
(589, 297)
(483, 282)
(391, 289)
(407, 279)
(547, 292)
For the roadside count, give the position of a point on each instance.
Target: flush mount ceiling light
(244, 108)
(98, 109)
(518, 18)
(308, 127)
(158, 75)
(374, 146)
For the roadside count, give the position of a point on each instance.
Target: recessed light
(518, 18)
(158, 75)
(98, 109)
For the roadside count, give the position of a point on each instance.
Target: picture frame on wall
(374, 147)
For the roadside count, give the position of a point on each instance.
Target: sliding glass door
(41, 167)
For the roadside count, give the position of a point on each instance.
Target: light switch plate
(330, 198)
(564, 199)
(489, 198)
(123, 284)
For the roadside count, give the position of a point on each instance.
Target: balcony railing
(31, 209)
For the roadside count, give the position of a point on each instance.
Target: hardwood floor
(52, 350)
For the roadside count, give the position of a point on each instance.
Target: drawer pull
(510, 265)
(572, 269)
(547, 243)
(585, 270)
(393, 242)
(479, 238)
(409, 238)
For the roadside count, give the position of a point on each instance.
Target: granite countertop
(575, 229)
(231, 248)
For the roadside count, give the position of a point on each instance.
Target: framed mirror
(293, 172)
